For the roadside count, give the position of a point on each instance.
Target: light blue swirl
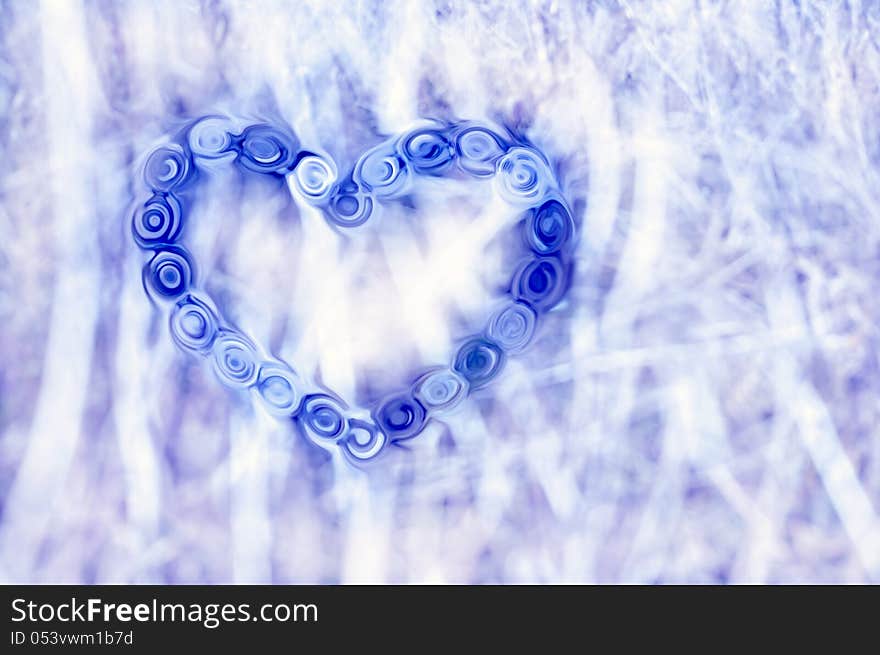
(210, 138)
(314, 177)
(235, 359)
(479, 149)
(278, 387)
(383, 171)
(364, 442)
(440, 390)
(521, 176)
(167, 168)
(193, 324)
(513, 327)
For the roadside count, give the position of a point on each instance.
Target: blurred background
(704, 407)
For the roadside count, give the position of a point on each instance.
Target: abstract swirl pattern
(523, 178)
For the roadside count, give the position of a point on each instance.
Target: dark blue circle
(541, 282)
(549, 228)
(479, 361)
(400, 416)
(169, 274)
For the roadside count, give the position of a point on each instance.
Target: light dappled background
(703, 408)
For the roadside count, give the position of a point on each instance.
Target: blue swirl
(314, 177)
(400, 416)
(209, 138)
(193, 324)
(479, 361)
(541, 282)
(440, 389)
(279, 388)
(549, 228)
(235, 359)
(522, 176)
(364, 442)
(167, 168)
(478, 149)
(382, 171)
(427, 150)
(156, 223)
(323, 416)
(169, 274)
(513, 327)
(349, 205)
(267, 149)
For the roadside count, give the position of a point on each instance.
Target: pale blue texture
(703, 405)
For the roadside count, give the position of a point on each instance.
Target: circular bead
(235, 359)
(513, 327)
(167, 168)
(349, 205)
(193, 324)
(266, 149)
(382, 171)
(548, 228)
(157, 222)
(314, 177)
(478, 150)
(400, 416)
(440, 390)
(210, 138)
(479, 361)
(279, 389)
(322, 416)
(427, 150)
(169, 274)
(541, 282)
(364, 441)
(522, 176)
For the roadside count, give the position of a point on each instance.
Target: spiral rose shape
(279, 388)
(323, 416)
(479, 361)
(235, 359)
(157, 222)
(478, 150)
(349, 205)
(209, 138)
(440, 390)
(314, 178)
(521, 176)
(167, 168)
(428, 151)
(513, 327)
(400, 416)
(169, 274)
(549, 228)
(266, 149)
(364, 441)
(382, 171)
(541, 282)
(194, 324)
